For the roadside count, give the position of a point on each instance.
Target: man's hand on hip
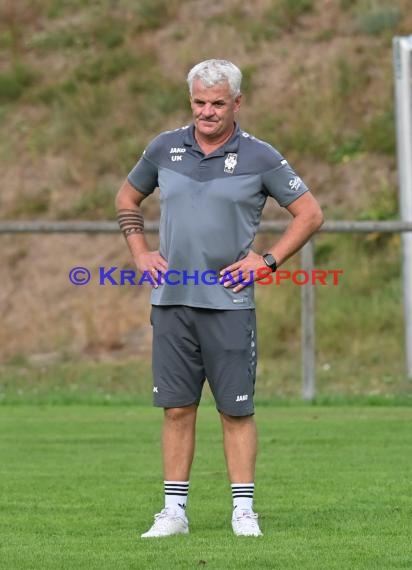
(152, 262)
(244, 271)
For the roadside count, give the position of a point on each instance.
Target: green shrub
(14, 81)
(346, 149)
(106, 67)
(379, 133)
(247, 81)
(284, 14)
(325, 35)
(109, 32)
(347, 4)
(373, 19)
(97, 203)
(383, 205)
(32, 205)
(56, 8)
(144, 72)
(347, 78)
(153, 14)
(76, 119)
(324, 249)
(63, 39)
(308, 136)
(129, 152)
(165, 98)
(17, 360)
(57, 91)
(6, 39)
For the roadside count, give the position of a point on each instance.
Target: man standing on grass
(214, 179)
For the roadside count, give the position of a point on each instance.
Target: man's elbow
(317, 219)
(119, 200)
(125, 197)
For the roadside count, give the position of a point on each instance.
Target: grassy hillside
(85, 85)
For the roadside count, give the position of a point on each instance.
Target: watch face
(270, 261)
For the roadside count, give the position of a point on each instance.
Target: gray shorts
(191, 344)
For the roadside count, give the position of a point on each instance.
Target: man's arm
(307, 219)
(130, 217)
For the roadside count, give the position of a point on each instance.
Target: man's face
(213, 109)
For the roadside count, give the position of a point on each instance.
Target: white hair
(214, 71)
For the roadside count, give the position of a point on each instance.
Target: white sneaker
(245, 523)
(168, 522)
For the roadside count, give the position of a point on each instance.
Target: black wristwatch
(270, 261)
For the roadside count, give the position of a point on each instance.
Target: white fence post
(402, 51)
(308, 324)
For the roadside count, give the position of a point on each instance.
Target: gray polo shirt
(210, 209)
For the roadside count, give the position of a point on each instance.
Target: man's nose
(208, 110)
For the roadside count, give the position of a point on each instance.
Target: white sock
(176, 494)
(242, 494)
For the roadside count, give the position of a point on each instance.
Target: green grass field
(80, 483)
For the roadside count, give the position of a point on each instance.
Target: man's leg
(178, 445)
(178, 378)
(178, 442)
(240, 446)
(228, 344)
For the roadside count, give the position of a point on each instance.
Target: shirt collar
(232, 145)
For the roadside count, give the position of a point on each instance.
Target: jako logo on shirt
(230, 163)
(176, 153)
(242, 398)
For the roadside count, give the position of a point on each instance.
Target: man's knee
(179, 415)
(233, 422)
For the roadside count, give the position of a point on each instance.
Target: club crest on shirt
(295, 183)
(230, 162)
